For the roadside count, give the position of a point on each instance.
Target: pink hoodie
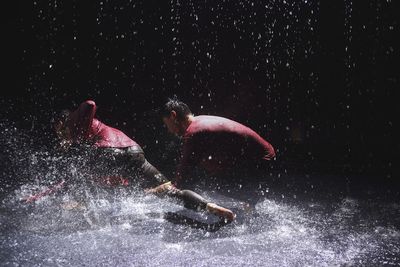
(84, 127)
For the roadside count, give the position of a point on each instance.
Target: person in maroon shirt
(113, 151)
(218, 145)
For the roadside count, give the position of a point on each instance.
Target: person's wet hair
(181, 109)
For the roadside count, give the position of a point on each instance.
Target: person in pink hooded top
(116, 157)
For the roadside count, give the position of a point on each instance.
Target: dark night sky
(317, 79)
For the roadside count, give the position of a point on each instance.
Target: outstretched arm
(191, 200)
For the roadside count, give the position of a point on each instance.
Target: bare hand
(159, 189)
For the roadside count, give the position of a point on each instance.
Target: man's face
(172, 124)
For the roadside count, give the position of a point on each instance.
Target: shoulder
(209, 120)
(216, 120)
(207, 123)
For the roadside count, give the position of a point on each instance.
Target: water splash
(89, 225)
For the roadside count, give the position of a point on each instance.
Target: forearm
(150, 172)
(140, 165)
(192, 200)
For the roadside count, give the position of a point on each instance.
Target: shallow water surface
(130, 229)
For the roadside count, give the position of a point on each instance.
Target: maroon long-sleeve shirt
(85, 127)
(218, 144)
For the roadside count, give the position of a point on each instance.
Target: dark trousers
(131, 162)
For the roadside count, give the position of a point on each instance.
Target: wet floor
(132, 229)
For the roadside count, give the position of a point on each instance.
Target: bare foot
(221, 211)
(70, 205)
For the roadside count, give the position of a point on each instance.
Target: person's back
(107, 136)
(85, 127)
(222, 145)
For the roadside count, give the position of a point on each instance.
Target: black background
(316, 79)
